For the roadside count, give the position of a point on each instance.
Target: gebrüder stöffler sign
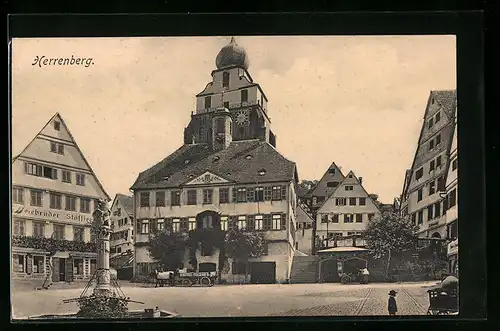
(51, 215)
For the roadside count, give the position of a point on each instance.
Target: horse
(162, 276)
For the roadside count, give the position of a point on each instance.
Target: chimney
(360, 180)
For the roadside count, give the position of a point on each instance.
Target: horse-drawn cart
(196, 278)
(186, 279)
(442, 303)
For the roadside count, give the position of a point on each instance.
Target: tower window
(244, 95)
(225, 79)
(226, 104)
(208, 102)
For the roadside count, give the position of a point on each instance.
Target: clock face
(242, 118)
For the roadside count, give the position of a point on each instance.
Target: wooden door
(55, 269)
(68, 270)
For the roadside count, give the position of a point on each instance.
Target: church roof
(240, 162)
(232, 55)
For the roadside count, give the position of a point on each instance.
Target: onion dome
(232, 55)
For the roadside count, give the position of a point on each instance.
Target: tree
(168, 248)
(389, 232)
(242, 244)
(308, 184)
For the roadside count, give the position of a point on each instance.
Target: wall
(278, 252)
(186, 210)
(237, 81)
(20, 178)
(304, 239)
(330, 207)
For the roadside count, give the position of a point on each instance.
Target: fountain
(107, 299)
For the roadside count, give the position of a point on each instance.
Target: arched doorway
(208, 219)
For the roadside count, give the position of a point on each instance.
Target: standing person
(392, 306)
(365, 275)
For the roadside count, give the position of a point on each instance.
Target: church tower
(233, 95)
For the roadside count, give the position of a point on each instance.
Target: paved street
(245, 300)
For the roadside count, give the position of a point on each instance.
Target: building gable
(326, 184)
(354, 190)
(207, 178)
(55, 147)
(443, 102)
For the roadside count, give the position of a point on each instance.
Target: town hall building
(227, 173)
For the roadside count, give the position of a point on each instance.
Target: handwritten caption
(43, 61)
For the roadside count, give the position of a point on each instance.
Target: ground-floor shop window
(38, 264)
(19, 263)
(78, 266)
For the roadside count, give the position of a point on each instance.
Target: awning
(62, 255)
(344, 249)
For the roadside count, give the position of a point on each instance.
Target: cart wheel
(186, 282)
(345, 279)
(205, 281)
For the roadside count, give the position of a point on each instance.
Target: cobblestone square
(244, 300)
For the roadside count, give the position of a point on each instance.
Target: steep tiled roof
(127, 202)
(303, 215)
(446, 98)
(240, 162)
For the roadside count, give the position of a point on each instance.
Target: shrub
(95, 306)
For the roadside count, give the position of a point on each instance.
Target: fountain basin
(133, 314)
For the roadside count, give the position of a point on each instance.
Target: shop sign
(453, 247)
(51, 215)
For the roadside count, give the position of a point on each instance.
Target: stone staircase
(304, 270)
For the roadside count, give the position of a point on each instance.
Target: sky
(358, 101)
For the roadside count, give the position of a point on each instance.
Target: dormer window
(262, 172)
(186, 162)
(216, 158)
(225, 79)
(248, 157)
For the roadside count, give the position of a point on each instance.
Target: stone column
(103, 230)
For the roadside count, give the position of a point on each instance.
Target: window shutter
(234, 193)
(283, 221)
(283, 192)
(267, 222)
(138, 226)
(251, 222)
(26, 167)
(168, 224)
(268, 193)
(152, 226)
(251, 194)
